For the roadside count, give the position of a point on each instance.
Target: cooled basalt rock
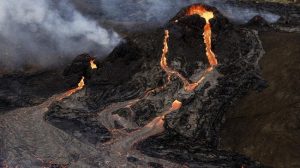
(288, 14)
(133, 68)
(191, 153)
(25, 90)
(258, 21)
(22, 89)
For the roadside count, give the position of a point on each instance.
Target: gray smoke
(160, 11)
(45, 32)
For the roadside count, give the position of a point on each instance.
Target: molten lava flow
(201, 11)
(207, 15)
(156, 126)
(123, 145)
(164, 63)
(81, 83)
(80, 86)
(92, 64)
(176, 105)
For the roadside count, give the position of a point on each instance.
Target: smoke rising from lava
(43, 33)
(159, 11)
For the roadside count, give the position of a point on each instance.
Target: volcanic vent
(159, 98)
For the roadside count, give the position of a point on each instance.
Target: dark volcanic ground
(265, 125)
(28, 89)
(97, 126)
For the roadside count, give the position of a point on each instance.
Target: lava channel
(188, 86)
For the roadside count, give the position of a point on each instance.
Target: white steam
(160, 11)
(44, 32)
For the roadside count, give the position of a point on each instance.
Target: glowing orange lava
(80, 86)
(81, 83)
(164, 63)
(176, 105)
(207, 15)
(159, 120)
(92, 64)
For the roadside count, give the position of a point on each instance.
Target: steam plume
(160, 11)
(44, 32)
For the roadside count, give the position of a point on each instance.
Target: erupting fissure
(207, 15)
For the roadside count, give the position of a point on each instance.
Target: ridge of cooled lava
(159, 98)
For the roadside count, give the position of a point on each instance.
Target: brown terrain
(266, 125)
